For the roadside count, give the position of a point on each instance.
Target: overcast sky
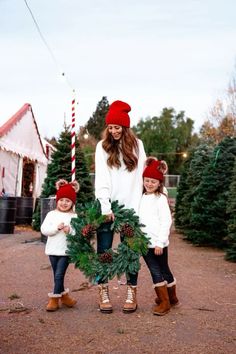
(151, 54)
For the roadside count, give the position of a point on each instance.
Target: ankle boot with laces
(131, 300)
(105, 305)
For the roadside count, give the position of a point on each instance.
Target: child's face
(150, 185)
(64, 205)
(115, 131)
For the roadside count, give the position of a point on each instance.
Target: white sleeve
(142, 155)
(102, 180)
(165, 222)
(49, 225)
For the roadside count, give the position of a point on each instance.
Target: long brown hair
(127, 145)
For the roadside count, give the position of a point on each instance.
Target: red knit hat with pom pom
(67, 190)
(152, 169)
(118, 114)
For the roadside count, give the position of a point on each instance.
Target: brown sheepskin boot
(157, 300)
(105, 305)
(171, 288)
(131, 300)
(162, 294)
(53, 303)
(66, 299)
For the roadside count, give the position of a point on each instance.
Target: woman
(119, 163)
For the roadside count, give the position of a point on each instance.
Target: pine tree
(209, 218)
(181, 190)
(60, 167)
(96, 123)
(200, 159)
(231, 224)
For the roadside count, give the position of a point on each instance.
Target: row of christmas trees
(205, 209)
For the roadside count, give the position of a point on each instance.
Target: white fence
(172, 181)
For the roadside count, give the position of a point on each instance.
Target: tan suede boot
(157, 300)
(131, 300)
(171, 287)
(162, 293)
(66, 299)
(53, 303)
(104, 304)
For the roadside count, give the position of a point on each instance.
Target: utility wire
(47, 46)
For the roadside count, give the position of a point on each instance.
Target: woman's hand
(110, 217)
(158, 251)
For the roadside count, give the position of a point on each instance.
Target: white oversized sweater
(56, 242)
(154, 213)
(118, 183)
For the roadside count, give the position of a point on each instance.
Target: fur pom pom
(75, 185)
(163, 167)
(149, 160)
(60, 183)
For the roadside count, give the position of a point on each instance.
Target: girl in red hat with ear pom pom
(154, 213)
(119, 163)
(56, 226)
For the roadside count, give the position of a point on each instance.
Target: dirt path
(204, 323)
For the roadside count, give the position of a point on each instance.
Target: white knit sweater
(154, 213)
(118, 183)
(56, 242)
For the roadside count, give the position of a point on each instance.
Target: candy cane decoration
(73, 142)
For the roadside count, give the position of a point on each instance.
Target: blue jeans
(59, 266)
(158, 266)
(104, 242)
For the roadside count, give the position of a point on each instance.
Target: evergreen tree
(209, 218)
(167, 137)
(181, 190)
(231, 224)
(60, 167)
(193, 176)
(96, 123)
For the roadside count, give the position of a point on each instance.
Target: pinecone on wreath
(105, 258)
(88, 231)
(127, 230)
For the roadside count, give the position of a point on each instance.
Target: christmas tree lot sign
(114, 262)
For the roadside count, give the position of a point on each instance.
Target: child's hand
(60, 226)
(66, 229)
(158, 251)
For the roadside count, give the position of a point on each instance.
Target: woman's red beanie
(152, 170)
(118, 114)
(66, 191)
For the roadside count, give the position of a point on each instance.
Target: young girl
(154, 213)
(119, 163)
(56, 226)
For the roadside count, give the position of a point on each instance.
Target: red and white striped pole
(73, 142)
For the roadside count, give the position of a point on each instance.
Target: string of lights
(61, 72)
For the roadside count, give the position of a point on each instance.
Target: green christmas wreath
(122, 260)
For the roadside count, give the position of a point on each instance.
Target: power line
(47, 45)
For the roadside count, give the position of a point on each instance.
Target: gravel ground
(204, 323)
